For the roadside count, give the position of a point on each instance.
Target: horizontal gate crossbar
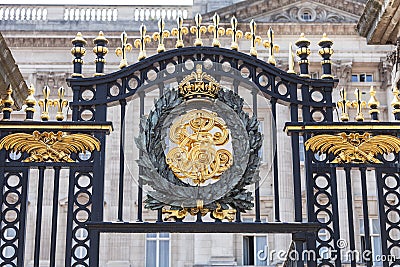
(203, 227)
(65, 126)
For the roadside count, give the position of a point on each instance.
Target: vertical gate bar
(70, 216)
(257, 184)
(380, 182)
(335, 215)
(350, 213)
(53, 242)
(39, 210)
(22, 220)
(275, 161)
(140, 189)
(121, 161)
(364, 194)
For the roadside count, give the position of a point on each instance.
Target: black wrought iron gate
(34, 149)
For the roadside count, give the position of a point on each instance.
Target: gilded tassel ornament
(141, 43)
(179, 32)
(343, 104)
(273, 48)
(255, 39)
(358, 104)
(60, 103)
(236, 34)
(160, 35)
(30, 103)
(45, 103)
(8, 102)
(123, 50)
(198, 30)
(216, 30)
(373, 105)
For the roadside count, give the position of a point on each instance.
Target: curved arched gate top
(92, 97)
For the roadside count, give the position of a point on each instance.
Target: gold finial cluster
(141, 43)
(8, 102)
(160, 35)
(45, 103)
(198, 30)
(78, 51)
(358, 104)
(272, 47)
(255, 39)
(199, 84)
(303, 52)
(60, 103)
(236, 34)
(179, 32)
(123, 50)
(326, 52)
(216, 30)
(343, 104)
(373, 105)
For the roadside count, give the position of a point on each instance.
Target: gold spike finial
(358, 104)
(160, 35)
(179, 32)
(8, 102)
(291, 60)
(216, 30)
(60, 103)
(236, 34)
(273, 48)
(141, 43)
(198, 30)
(396, 100)
(343, 104)
(255, 39)
(123, 50)
(45, 103)
(30, 103)
(373, 104)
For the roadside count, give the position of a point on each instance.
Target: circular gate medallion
(199, 151)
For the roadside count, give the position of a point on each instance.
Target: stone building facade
(39, 39)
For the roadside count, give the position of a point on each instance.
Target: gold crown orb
(199, 84)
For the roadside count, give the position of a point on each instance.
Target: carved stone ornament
(199, 154)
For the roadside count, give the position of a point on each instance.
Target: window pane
(164, 235)
(362, 227)
(151, 235)
(164, 253)
(301, 148)
(151, 251)
(261, 244)
(375, 226)
(369, 78)
(362, 77)
(377, 249)
(354, 78)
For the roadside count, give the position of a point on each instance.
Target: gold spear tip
(78, 39)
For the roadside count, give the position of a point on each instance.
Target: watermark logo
(325, 253)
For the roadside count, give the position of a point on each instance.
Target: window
(157, 250)
(376, 246)
(255, 250)
(362, 77)
(306, 16)
(301, 148)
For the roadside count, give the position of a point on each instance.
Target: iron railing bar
(350, 213)
(54, 223)
(364, 194)
(70, 215)
(140, 189)
(257, 184)
(22, 220)
(39, 209)
(335, 216)
(121, 161)
(275, 161)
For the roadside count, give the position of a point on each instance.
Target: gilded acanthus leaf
(354, 147)
(49, 146)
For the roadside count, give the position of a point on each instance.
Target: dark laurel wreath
(157, 174)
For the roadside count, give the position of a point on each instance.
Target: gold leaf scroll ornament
(196, 156)
(49, 146)
(354, 147)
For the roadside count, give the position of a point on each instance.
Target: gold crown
(199, 84)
